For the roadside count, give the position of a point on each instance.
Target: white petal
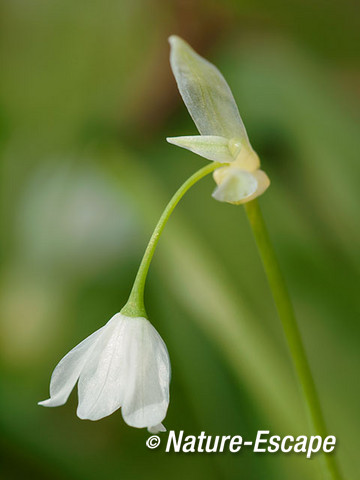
(205, 92)
(68, 370)
(207, 146)
(235, 185)
(157, 428)
(103, 379)
(263, 182)
(147, 390)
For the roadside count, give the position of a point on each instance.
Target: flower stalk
(293, 337)
(135, 305)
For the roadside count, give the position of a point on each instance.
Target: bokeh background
(87, 99)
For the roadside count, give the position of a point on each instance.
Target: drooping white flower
(223, 138)
(123, 364)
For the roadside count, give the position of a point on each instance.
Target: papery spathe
(123, 364)
(223, 138)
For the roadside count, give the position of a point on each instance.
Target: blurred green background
(87, 100)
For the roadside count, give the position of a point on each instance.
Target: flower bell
(123, 364)
(223, 138)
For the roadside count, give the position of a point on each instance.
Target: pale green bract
(207, 146)
(223, 138)
(205, 92)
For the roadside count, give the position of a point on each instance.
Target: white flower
(123, 364)
(223, 137)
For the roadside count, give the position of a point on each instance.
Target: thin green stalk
(292, 333)
(135, 304)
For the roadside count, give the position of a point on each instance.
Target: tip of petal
(47, 403)
(157, 428)
(85, 416)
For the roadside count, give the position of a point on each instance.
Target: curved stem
(135, 304)
(292, 333)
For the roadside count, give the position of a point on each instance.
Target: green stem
(292, 333)
(135, 304)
